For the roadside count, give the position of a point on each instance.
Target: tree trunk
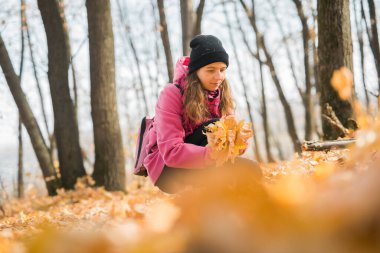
(264, 112)
(51, 179)
(334, 51)
(187, 20)
(157, 58)
(109, 156)
(20, 169)
(315, 75)
(37, 79)
(65, 124)
(20, 165)
(75, 88)
(51, 136)
(165, 39)
(191, 22)
(375, 46)
(71, 63)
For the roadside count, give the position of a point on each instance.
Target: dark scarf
(211, 95)
(213, 100)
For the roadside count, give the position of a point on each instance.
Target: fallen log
(326, 145)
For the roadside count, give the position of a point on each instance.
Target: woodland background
(273, 47)
(77, 77)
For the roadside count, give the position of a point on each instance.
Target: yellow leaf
(227, 137)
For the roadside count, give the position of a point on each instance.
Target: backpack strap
(179, 87)
(142, 131)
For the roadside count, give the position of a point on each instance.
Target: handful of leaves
(227, 138)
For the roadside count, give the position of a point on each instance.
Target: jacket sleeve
(171, 134)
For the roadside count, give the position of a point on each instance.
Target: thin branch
(125, 24)
(198, 18)
(245, 89)
(165, 39)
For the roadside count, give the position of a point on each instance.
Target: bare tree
(359, 34)
(75, 87)
(20, 170)
(334, 51)
(198, 18)
(109, 156)
(71, 62)
(73, 73)
(20, 165)
(288, 51)
(245, 89)
(41, 97)
(187, 20)
(307, 94)
(127, 26)
(65, 124)
(315, 75)
(191, 22)
(157, 50)
(165, 39)
(313, 37)
(264, 111)
(374, 38)
(134, 83)
(51, 178)
(262, 46)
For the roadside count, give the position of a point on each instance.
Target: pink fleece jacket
(166, 138)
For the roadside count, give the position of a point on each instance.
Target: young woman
(199, 95)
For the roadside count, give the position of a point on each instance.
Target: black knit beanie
(206, 49)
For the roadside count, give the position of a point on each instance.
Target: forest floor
(318, 202)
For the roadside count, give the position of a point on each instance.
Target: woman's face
(212, 75)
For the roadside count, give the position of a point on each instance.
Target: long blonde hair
(195, 98)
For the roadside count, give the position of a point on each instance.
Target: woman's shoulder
(170, 94)
(172, 89)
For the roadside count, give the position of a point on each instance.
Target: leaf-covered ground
(320, 202)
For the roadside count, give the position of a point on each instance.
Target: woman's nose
(218, 75)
